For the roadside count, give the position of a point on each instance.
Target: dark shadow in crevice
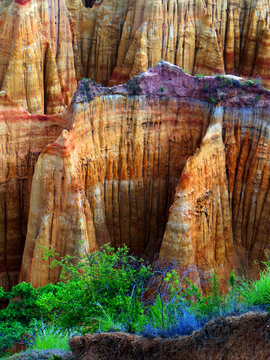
(89, 3)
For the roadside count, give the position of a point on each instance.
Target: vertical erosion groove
(145, 154)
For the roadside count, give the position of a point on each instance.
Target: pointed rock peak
(65, 138)
(5, 100)
(166, 64)
(63, 146)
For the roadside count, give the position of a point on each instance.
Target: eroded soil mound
(245, 337)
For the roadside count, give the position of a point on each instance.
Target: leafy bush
(9, 333)
(187, 309)
(214, 303)
(22, 305)
(17, 319)
(105, 283)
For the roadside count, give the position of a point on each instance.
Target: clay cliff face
(167, 164)
(36, 62)
(47, 46)
(22, 137)
(199, 228)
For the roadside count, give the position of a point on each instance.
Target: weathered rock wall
(131, 155)
(47, 45)
(166, 162)
(36, 55)
(22, 137)
(199, 228)
(127, 158)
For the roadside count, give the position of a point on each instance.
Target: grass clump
(49, 336)
(257, 292)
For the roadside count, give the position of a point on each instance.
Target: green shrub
(105, 281)
(9, 333)
(16, 319)
(22, 305)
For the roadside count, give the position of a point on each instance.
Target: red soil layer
(22, 2)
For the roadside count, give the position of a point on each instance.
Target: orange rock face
(22, 137)
(167, 163)
(199, 228)
(37, 62)
(46, 46)
(62, 218)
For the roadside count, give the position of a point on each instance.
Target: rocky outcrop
(199, 228)
(46, 46)
(22, 138)
(60, 216)
(243, 337)
(36, 55)
(127, 170)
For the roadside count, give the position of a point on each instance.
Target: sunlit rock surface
(167, 164)
(22, 138)
(46, 46)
